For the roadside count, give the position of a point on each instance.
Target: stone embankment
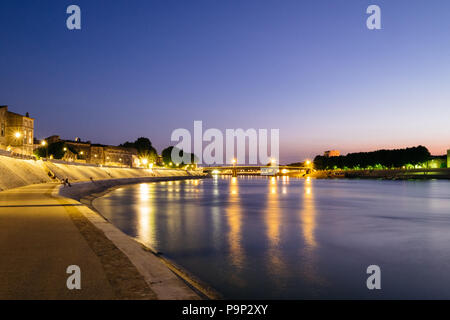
(16, 173)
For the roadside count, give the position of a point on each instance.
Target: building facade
(85, 152)
(332, 153)
(16, 132)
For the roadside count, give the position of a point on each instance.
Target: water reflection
(308, 220)
(146, 214)
(234, 222)
(280, 238)
(273, 221)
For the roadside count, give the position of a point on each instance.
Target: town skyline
(318, 75)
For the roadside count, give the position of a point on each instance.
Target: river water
(285, 238)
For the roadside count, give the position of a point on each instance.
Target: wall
(17, 173)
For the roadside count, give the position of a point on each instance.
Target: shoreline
(95, 190)
(393, 174)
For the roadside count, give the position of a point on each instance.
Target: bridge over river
(257, 170)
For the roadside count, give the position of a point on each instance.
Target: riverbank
(392, 174)
(15, 173)
(87, 192)
(45, 229)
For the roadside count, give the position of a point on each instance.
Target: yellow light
(233, 161)
(17, 134)
(284, 171)
(81, 152)
(308, 162)
(44, 142)
(144, 161)
(65, 149)
(273, 161)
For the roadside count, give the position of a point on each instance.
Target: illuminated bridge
(257, 170)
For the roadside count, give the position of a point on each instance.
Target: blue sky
(310, 68)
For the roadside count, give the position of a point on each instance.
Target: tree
(144, 148)
(55, 149)
(380, 159)
(167, 156)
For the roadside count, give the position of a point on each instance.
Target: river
(286, 238)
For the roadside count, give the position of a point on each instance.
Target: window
(3, 129)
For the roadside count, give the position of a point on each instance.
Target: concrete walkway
(41, 235)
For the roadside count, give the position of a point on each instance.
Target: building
(332, 153)
(16, 132)
(85, 152)
(113, 156)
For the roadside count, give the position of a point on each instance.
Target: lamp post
(18, 135)
(44, 144)
(234, 173)
(145, 162)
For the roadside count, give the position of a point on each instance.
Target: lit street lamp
(44, 144)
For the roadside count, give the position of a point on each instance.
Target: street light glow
(17, 135)
(44, 143)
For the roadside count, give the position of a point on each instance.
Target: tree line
(376, 159)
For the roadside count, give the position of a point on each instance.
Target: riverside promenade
(42, 233)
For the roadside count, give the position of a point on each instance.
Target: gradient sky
(310, 68)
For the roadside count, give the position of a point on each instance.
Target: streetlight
(44, 144)
(17, 134)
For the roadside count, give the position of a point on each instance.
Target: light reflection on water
(289, 238)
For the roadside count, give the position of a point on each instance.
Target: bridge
(257, 170)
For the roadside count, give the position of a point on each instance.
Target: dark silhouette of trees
(167, 156)
(56, 150)
(144, 148)
(376, 159)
